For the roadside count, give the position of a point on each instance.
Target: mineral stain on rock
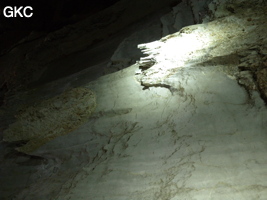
(37, 125)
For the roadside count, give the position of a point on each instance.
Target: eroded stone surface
(36, 125)
(28, 60)
(236, 44)
(197, 130)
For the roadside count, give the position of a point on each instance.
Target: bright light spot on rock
(173, 52)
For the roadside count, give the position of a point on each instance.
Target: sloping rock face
(123, 26)
(36, 125)
(186, 122)
(235, 44)
(183, 14)
(36, 55)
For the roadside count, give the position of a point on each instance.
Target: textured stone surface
(29, 59)
(183, 14)
(36, 125)
(127, 52)
(186, 122)
(180, 17)
(235, 44)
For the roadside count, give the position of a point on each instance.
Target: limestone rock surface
(235, 44)
(188, 121)
(51, 118)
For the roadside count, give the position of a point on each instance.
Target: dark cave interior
(48, 15)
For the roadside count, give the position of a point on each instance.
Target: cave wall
(186, 121)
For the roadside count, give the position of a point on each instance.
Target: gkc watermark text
(18, 11)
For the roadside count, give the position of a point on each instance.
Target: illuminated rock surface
(186, 122)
